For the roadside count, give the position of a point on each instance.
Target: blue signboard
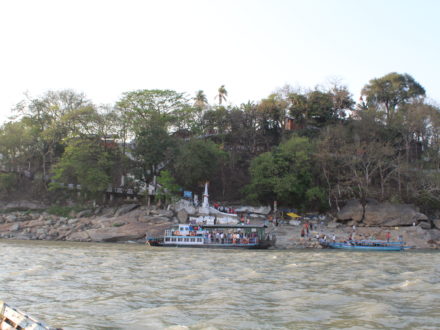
(187, 194)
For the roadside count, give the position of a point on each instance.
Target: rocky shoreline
(134, 222)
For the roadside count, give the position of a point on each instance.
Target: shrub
(8, 181)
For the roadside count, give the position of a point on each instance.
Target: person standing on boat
(388, 236)
(334, 238)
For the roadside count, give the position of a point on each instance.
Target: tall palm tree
(222, 93)
(200, 101)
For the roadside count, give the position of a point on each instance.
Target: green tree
(285, 174)
(391, 91)
(357, 160)
(319, 107)
(271, 113)
(8, 182)
(197, 162)
(48, 118)
(149, 117)
(200, 100)
(143, 105)
(216, 121)
(16, 146)
(87, 163)
(153, 148)
(168, 188)
(222, 94)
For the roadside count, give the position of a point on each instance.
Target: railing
(212, 241)
(229, 241)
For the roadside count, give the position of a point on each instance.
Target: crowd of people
(224, 209)
(230, 237)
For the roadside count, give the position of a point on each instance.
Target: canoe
(366, 245)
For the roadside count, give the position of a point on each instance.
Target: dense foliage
(309, 149)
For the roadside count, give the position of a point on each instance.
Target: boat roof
(233, 226)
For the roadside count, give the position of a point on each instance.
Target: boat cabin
(184, 234)
(214, 235)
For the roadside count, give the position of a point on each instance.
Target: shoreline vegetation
(315, 150)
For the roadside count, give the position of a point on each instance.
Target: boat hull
(365, 247)
(260, 246)
(11, 318)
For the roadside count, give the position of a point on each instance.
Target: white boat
(215, 236)
(11, 318)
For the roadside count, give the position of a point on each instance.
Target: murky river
(112, 286)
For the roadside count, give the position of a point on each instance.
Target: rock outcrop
(23, 205)
(135, 222)
(264, 210)
(381, 214)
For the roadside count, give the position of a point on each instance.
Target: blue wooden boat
(366, 245)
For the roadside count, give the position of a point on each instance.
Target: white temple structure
(208, 214)
(205, 204)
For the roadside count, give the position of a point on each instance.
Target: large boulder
(163, 213)
(81, 236)
(130, 231)
(381, 214)
(425, 225)
(25, 205)
(185, 205)
(127, 232)
(251, 209)
(84, 213)
(15, 227)
(124, 209)
(182, 215)
(351, 211)
(387, 214)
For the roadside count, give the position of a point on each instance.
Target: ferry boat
(11, 318)
(366, 245)
(225, 236)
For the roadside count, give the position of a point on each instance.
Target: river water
(116, 286)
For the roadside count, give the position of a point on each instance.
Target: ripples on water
(115, 286)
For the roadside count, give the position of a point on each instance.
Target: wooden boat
(366, 245)
(215, 236)
(11, 318)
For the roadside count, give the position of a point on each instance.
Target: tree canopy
(308, 149)
(391, 91)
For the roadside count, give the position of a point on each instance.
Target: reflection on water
(102, 286)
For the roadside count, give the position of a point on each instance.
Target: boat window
(199, 240)
(186, 239)
(167, 239)
(179, 239)
(173, 239)
(193, 239)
